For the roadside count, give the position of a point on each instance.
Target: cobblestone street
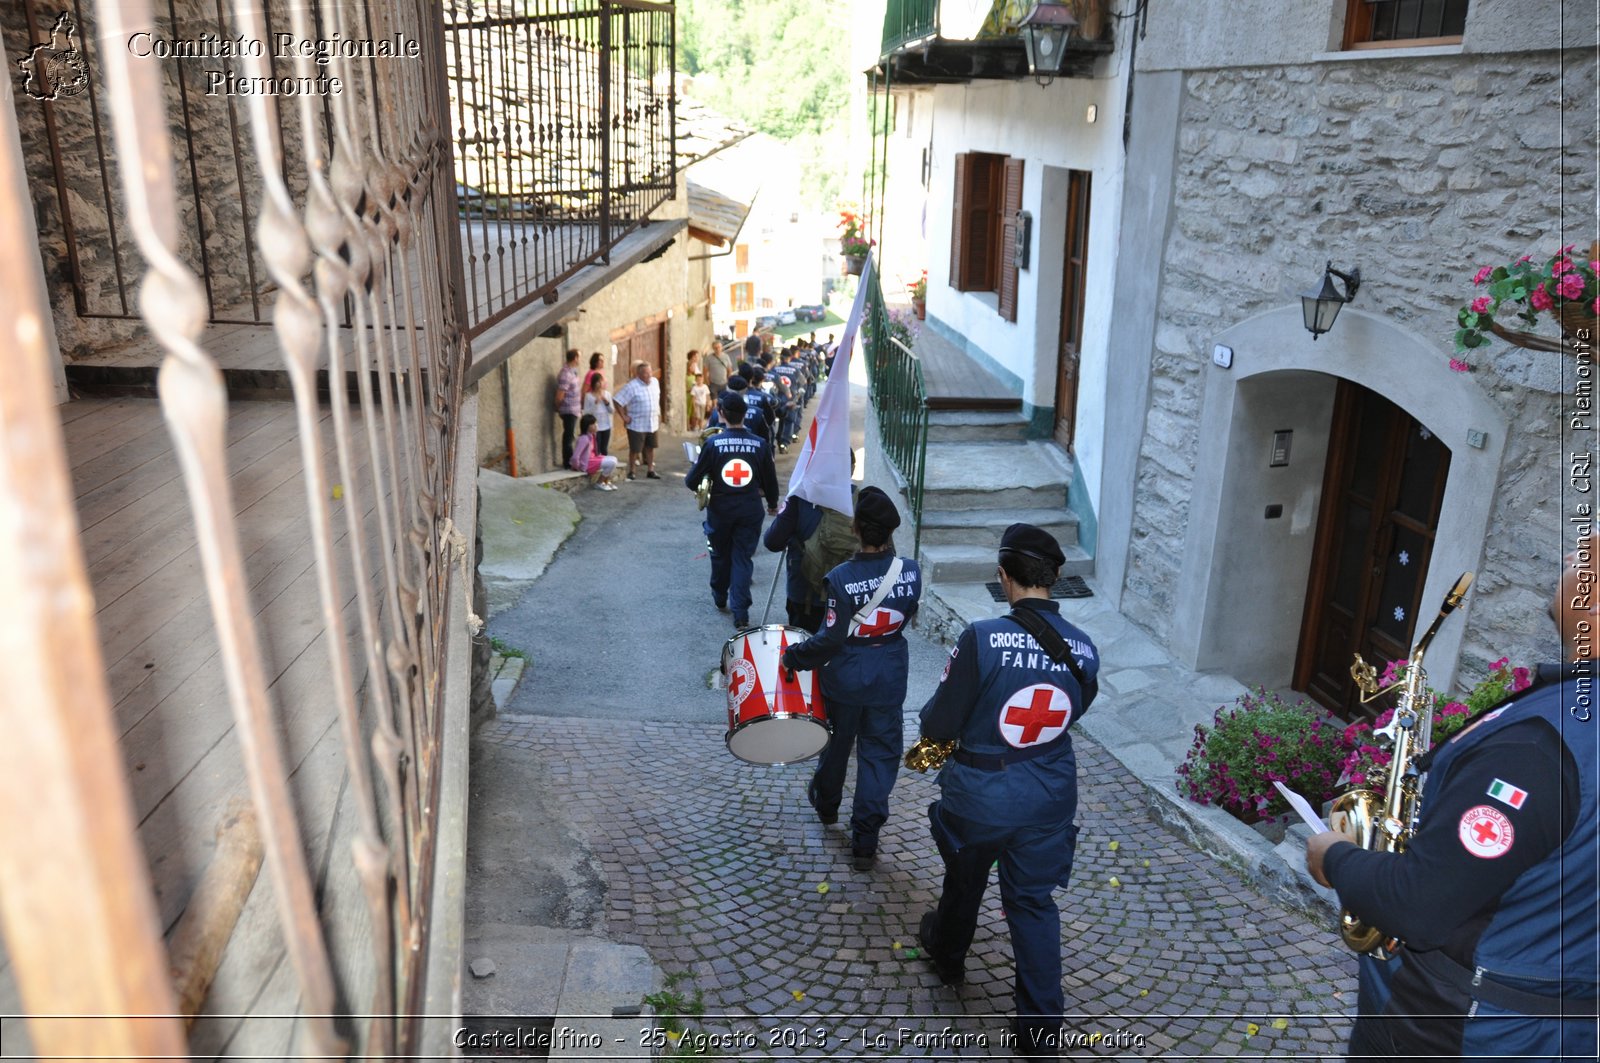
(720, 870)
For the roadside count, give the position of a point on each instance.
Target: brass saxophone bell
(925, 753)
(1365, 675)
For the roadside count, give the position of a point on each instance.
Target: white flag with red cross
(822, 471)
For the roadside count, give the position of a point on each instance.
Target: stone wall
(1417, 171)
(218, 183)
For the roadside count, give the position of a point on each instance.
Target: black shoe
(863, 859)
(630, 475)
(949, 974)
(651, 475)
(722, 607)
(826, 816)
(741, 621)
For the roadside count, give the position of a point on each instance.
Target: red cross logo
(1034, 715)
(883, 622)
(1485, 832)
(736, 472)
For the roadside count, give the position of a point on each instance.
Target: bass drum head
(775, 740)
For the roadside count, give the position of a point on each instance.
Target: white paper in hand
(1302, 808)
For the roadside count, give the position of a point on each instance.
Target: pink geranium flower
(1595, 307)
(1570, 286)
(1480, 305)
(1482, 275)
(1459, 366)
(1540, 299)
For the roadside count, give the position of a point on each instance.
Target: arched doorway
(1382, 494)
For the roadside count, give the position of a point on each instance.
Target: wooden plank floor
(955, 380)
(164, 674)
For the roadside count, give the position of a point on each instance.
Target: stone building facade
(1254, 158)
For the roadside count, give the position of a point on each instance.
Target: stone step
(1030, 475)
(977, 426)
(947, 563)
(980, 527)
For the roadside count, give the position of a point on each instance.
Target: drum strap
(890, 578)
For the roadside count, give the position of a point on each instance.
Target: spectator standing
(700, 402)
(597, 400)
(690, 375)
(639, 404)
(717, 369)
(596, 367)
(569, 404)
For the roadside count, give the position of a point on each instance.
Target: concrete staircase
(982, 475)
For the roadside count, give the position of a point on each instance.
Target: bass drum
(774, 716)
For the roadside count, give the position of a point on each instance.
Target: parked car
(786, 317)
(767, 321)
(810, 313)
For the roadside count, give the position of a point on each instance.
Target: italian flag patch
(1507, 794)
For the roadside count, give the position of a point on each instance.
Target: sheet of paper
(1302, 808)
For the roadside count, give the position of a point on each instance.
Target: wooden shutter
(958, 221)
(974, 235)
(1010, 204)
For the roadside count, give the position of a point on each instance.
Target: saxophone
(926, 753)
(1384, 820)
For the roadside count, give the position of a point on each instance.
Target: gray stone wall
(1418, 171)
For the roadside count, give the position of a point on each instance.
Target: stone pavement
(722, 873)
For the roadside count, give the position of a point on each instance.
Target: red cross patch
(741, 681)
(736, 473)
(881, 622)
(1035, 715)
(1485, 832)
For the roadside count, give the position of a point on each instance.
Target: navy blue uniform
(1495, 895)
(863, 670)
(789, 530)
(1009, 794)
(739, 464)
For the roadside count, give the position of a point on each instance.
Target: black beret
(1029, 541)
(733, 405)
(737, 383)
(875, 507)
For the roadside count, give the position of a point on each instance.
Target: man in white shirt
(638, 403)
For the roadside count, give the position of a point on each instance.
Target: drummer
(739, 465)
(862, 653)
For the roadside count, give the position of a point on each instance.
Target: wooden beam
(75, 900)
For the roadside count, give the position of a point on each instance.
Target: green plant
(672, 1008)
(919, 288)
(1563, 285)
(505, 650)
(1258, 740)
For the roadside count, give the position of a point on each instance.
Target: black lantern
(1322, 307)
(1044, 34)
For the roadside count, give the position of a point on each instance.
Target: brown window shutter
(983, 229)
(1010, 205)
(958, 221)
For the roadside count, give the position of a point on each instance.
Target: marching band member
(739, 465)
(1495, 894)
(863, 659)
(1010, 691)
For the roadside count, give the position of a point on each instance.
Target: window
(742, 296)
(741, 258)
(983, 232)
(1391, 23)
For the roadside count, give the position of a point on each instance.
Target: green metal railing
(897, 392)
(905, 21)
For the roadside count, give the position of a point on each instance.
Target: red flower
(1482, 275)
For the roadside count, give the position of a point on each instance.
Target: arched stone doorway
(1249, 546)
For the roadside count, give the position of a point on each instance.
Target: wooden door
(646, 344)
(1381, 496)
(1072, 289)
